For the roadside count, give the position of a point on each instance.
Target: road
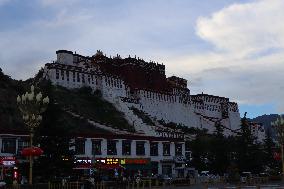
(227, 186)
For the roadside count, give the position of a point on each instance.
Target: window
(74, 76)
(22, 144)
(166, 149)
(154, 149)
(78, 77)
(57, 74)
(126, 147)
(111, 147)
(96, 147)
(178, 149)
(83, 78)
(80, 146)
(140, 148)
(67, 75)
(62, 74)
(9, 145)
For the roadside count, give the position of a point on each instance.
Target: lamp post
(278, 125)
(32, 106)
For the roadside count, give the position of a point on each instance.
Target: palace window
(111, 147)
(80, 146)
(166, 149)
(57, 74)
(83, 78)
(126, 147)
(9, 145)
(74, 76)
(62, 74)
(89, 79)
(140, 148)
(178, 150)
(78, 77)
(154, 149)
(67, 74)
(96, 147)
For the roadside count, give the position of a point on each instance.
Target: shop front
(83, 166)
(8, 169)
(167, 167)
(128, 167)
(137, 166)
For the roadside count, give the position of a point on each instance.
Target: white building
(132, 153)
(132, 82)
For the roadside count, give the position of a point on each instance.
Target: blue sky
(231, 48)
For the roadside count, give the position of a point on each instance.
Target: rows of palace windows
(126, 148)
(76, 76)
(159, 96)
(85, 78)
(208, 107)
(113, 82)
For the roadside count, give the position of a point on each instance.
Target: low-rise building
(132, 154)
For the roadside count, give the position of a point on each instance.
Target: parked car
(245, 176)
(165, 178)
(2, 184)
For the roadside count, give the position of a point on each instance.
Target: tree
(278, 125)
(219, 151)
(249, 153)
(269, 150)
(54, 138)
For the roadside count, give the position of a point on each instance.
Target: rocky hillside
(75, 110)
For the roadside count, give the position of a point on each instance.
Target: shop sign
(8, 161)
(134, 161)
(122, 161)
(83, 161)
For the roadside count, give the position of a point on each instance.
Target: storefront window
(9, 145)
(111, 147)
(178, 149)
(154, 149)
(126, 147)
(22, 144)
(96, 147)
(80, 146)
(166, 149)
(140, 148)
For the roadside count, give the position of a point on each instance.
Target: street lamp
(278, 125)
(32, 106)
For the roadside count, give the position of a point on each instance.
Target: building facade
(129, 154)
(132, 82)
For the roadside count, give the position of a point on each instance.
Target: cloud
(248, 29)
(234, 51)
(247, 61)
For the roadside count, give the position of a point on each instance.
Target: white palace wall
(177, 106)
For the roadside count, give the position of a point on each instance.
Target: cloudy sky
(231, 48)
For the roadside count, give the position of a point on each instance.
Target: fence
(143, 184)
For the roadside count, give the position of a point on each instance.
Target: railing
(143, 184)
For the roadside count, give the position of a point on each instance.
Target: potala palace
(134, 83)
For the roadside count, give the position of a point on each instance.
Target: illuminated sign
(8, 161)
(122, 161)
(134, 161)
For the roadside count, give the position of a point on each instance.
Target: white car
(245, 176)
(2, 183)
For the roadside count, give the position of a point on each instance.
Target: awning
(84, 166)
(147, 166)
(108, 166)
